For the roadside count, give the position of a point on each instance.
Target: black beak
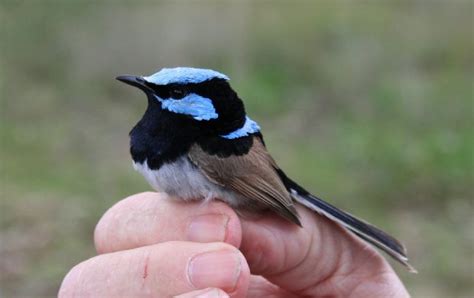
(135, 81)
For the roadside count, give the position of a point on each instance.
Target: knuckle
(100, 236)
(101, 232)
(111, 218)
(72, 280)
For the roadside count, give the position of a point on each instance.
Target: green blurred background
(368, 104)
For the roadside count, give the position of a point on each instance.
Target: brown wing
(251, 175)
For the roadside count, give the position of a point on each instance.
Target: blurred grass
(368, 104)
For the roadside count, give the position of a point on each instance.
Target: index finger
(151, 218)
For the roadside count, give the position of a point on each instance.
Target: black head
(200, 99)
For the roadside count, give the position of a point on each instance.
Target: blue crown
(184, 75)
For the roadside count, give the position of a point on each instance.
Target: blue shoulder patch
(249, 127)
(184, 75)
(194, 105)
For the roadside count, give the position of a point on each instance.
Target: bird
(196, 142)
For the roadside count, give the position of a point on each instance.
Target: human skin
(153, 245)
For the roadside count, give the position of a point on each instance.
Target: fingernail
(218, 269)
(212, 293)
(208, 228)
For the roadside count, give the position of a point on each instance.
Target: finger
(206, 293)
(317, 260)
(160, 270)
(150, 218)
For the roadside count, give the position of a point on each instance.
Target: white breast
(184, 180)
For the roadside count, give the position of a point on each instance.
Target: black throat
(159, 137)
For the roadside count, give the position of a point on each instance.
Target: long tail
(364, 230)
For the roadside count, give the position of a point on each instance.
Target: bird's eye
(177, 93)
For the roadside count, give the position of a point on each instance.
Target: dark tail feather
(364, 230)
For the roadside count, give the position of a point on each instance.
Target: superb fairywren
(195, 142)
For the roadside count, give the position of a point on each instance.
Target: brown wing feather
(251, 175)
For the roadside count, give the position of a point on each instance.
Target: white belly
(184, 180)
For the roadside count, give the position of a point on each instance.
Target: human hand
(152, 245)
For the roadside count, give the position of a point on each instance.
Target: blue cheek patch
(249, 127)
(184, 75)
(196, 106)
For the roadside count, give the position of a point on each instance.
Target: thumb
(320, 259)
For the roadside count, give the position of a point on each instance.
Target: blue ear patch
(184, 75)
(249, 127)
(196, 106)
